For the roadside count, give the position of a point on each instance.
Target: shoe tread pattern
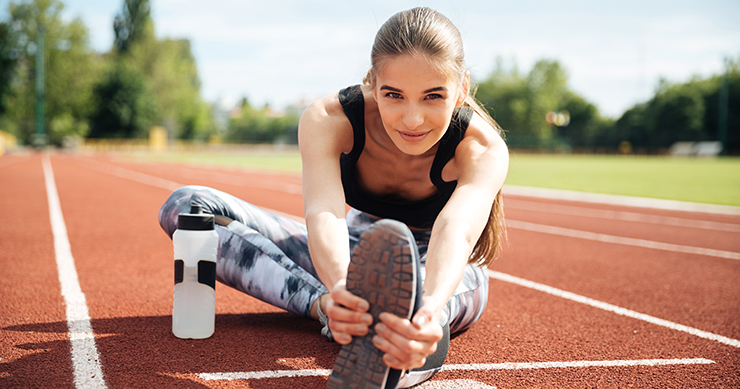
(382, 271)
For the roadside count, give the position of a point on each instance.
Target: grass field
(711, 181)
(260, 159)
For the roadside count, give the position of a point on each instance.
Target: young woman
(411, 145)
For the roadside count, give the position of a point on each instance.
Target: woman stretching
(421, 166)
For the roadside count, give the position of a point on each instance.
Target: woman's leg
(261, 254)
(468, 301)
(463, 309)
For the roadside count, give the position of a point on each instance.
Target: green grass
(712, 181)
(280, 161)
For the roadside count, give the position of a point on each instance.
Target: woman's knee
(178, 202)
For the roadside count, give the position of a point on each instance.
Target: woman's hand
(347, 314)
(407, 343)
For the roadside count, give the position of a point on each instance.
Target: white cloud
(282, 50)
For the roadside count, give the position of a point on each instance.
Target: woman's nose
(413, 117)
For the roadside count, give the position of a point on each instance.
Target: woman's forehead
(416, 70)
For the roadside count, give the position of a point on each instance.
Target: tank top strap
(448, 144)
(353, 104)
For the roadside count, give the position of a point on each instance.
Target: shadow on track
(142, 352)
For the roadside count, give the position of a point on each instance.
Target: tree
(261, 125)
(520, 104)
(504, 95)
(71, 71)
(676, 114)
(169, 81)
(8, 62)
(546, 88)
(586, 123)
(132, 24)
(173, 73)
(125, 105)
(685, 112)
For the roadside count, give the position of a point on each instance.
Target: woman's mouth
(410, 136)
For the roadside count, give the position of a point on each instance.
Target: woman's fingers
(405, 345)
(342, 296)
(347, 315)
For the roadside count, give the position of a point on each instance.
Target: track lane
(33, 328)
(693, 290)
(236, 191)
(271, 190)
(125, 265)
(687, 235)
(132, 321)
(730, 216)
(671, 299)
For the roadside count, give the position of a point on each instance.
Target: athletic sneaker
(384, 270)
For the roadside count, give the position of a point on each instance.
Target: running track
(585, 295)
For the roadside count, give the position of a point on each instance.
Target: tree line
(140, 82)
(143, 81)
(538, 110)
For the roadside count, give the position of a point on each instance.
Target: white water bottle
(194, 305)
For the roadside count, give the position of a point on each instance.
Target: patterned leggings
(266, 255)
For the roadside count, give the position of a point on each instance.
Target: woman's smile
(414, 136)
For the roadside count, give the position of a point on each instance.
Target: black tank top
(417, 213)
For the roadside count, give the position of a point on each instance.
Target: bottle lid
(196, 220)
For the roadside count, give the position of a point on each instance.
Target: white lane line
(255, 375)
(620, 215)
(612, 308)
(454, 384)
(88, 372)
(628, 201)
(576, 364)
(165, 184)
(620, 240)
(188, 173)
(240, 180)
(133, 175)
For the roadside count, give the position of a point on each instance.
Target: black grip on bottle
(207, 273)
(179, 270)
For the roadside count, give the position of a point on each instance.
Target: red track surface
(124, 265)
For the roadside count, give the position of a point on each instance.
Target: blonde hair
(423, 31)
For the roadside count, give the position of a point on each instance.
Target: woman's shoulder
(481, 145)
(325, 120)
(482, 135)
(327, 107)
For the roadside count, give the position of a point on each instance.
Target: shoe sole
(382, 270)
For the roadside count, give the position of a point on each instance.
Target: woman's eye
(393, 95)
(434, 96)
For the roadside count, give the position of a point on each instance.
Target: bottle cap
(196, 220)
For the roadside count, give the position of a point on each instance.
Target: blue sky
(282, 51)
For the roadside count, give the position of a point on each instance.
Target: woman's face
(416, 102)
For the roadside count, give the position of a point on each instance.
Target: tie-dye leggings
(266, 255)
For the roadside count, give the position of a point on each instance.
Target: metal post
(40, 136)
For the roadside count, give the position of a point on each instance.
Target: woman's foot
(384, 270)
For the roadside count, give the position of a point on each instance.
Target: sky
(279, 52)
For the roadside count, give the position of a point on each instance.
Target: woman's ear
(464, 89)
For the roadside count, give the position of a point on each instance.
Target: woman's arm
(322, 136)
(324, 133)
(480, 166)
